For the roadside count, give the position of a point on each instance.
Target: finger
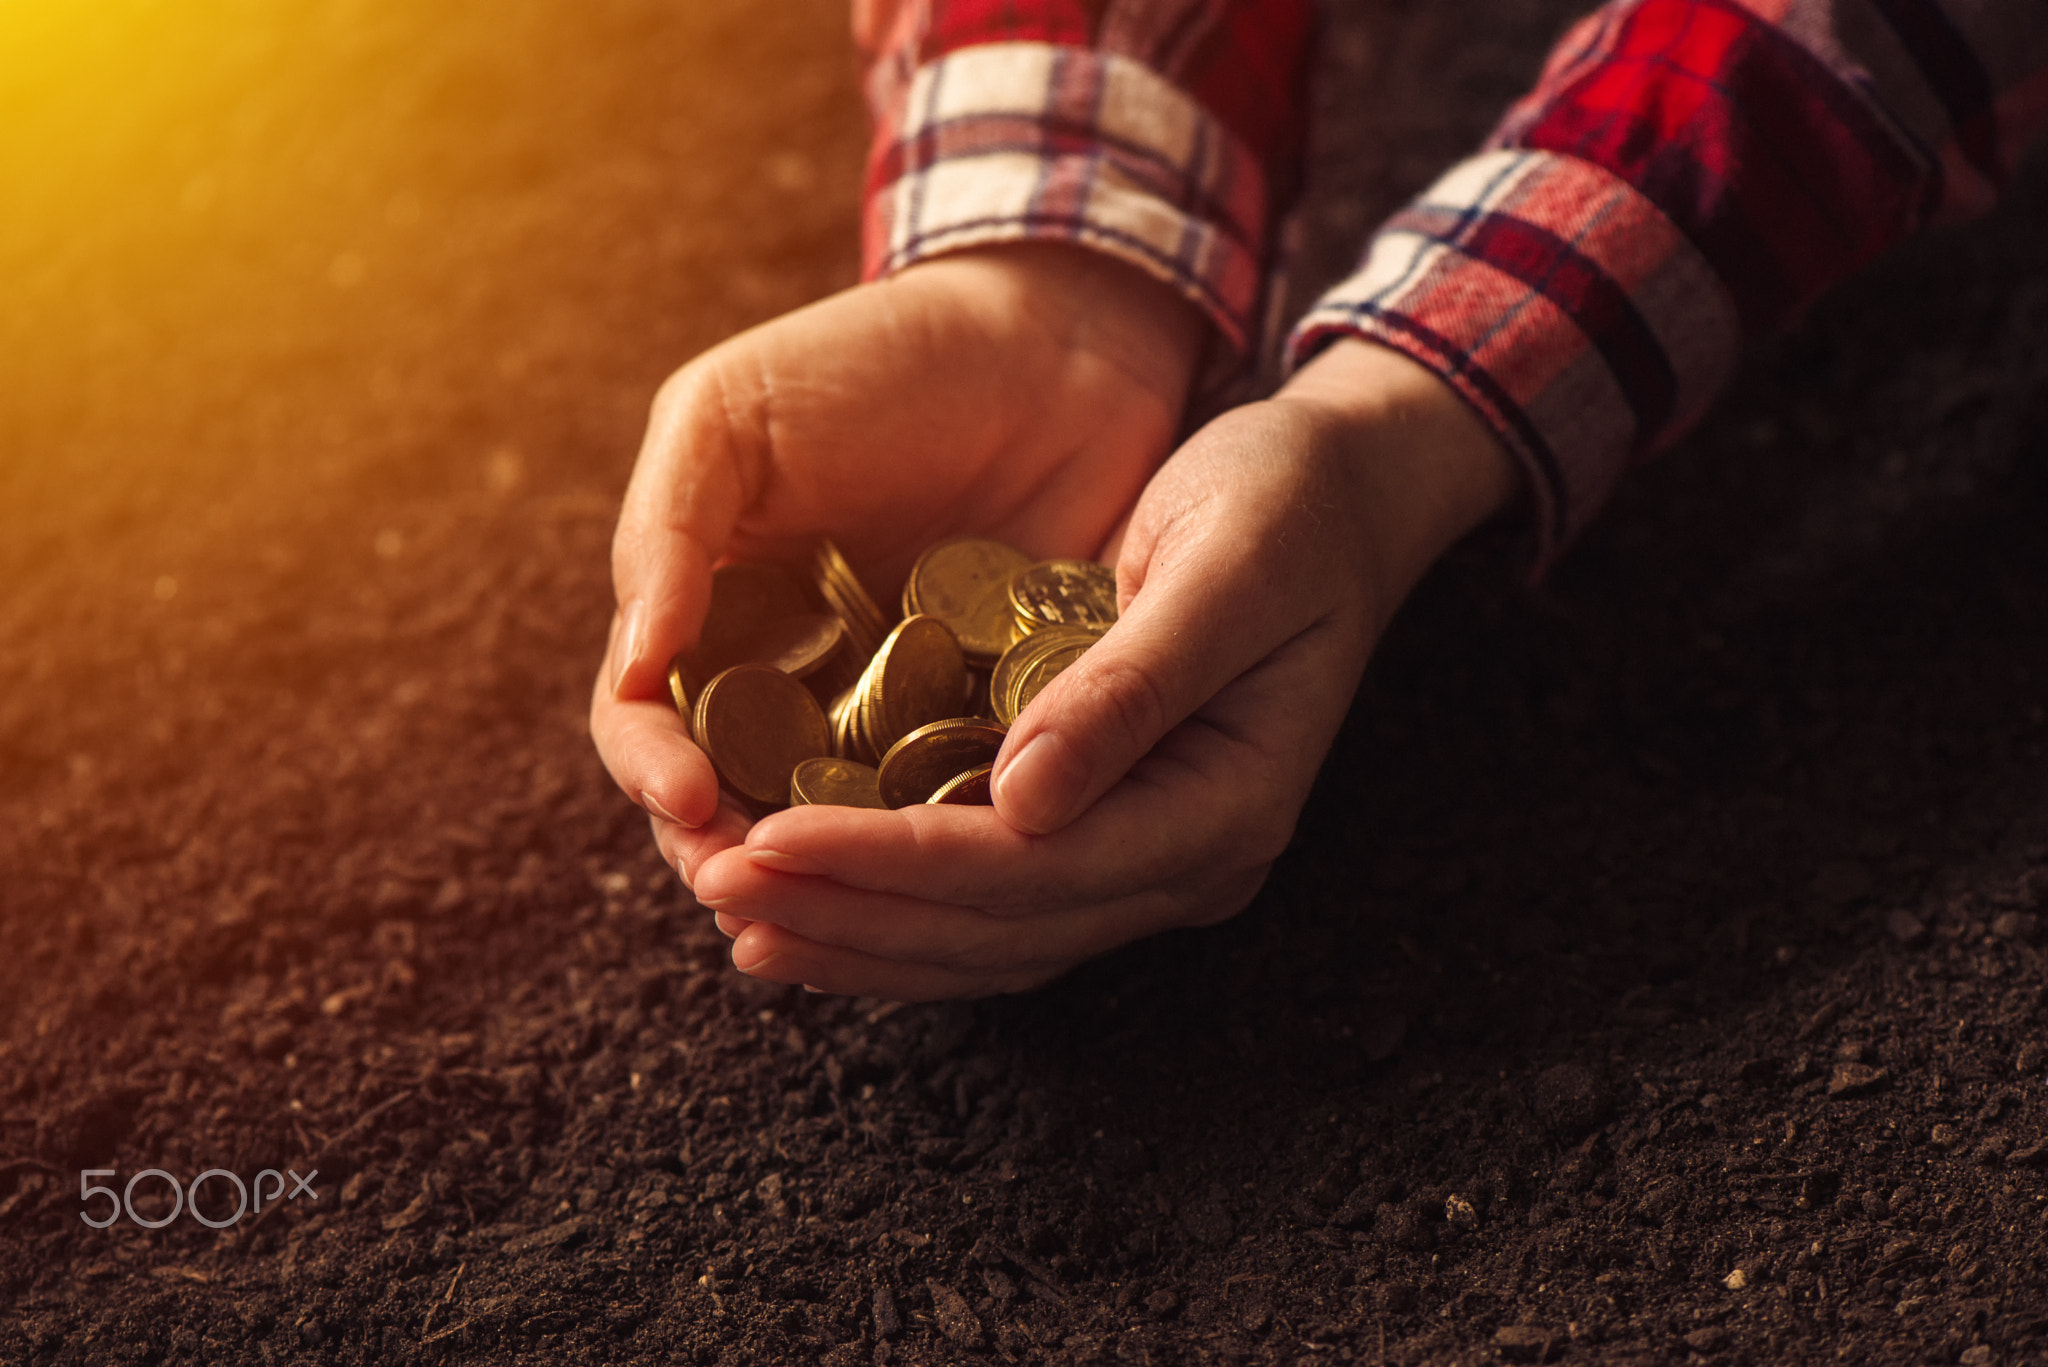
(685, 849)
(776, 955)
(646, 747)
(1203, 609)
(962, 939)
(1175, 813)
(705, 442)
(902, 928)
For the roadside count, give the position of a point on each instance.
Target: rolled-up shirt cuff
(1028, 141)
(1562, 305)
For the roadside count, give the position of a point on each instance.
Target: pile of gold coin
(801, 691)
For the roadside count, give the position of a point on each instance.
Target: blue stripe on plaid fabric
(1018, 141)
(1783, 172)
(1556, 269)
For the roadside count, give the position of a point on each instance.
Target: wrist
(1424, 468)
(1082, 301)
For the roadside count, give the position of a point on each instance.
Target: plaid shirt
(1686, 173)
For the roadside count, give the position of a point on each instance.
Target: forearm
(1687, 174)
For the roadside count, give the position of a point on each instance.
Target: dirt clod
(888, 1317)
(1856, 1079)
(1905, 927)
(1570, 1099)
(1711, 1338)
(1528, 1343)
(956, 1321)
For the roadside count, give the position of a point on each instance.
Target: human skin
(1028, 393)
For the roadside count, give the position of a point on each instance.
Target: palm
(889, 416)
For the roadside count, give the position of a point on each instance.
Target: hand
(1022, 392)
(1153, 783)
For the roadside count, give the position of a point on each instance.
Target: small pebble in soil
(1820, 1020)
(1527, 1342)
(888, 1319)
(1905, 927)
(1736, 1280)
(2016, 925)
(1993, 1150)
(1856, 1079)
(1460, 1213)
(1162, 1303)
(1710, 1339)
(956, 1321)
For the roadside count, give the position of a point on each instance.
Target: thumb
(1192, 626)
(687, 491)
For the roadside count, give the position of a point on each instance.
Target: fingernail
(747, 960)
(1037, 789)
(647, 801)
(632, 639)
(782, 863)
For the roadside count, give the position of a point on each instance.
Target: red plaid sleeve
(1687, 173)
(1158, 131)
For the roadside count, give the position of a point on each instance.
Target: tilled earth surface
(1657, 974)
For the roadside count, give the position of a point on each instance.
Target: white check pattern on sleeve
(1033, 141)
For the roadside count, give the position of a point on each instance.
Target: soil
(1657, 974)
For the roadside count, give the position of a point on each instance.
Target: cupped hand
(1023, 392)
(1151, 784)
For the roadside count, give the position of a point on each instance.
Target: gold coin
(745, 601)
(828, 782)
(840, 671)
(1024, 663)
(681, 688)
(917, 765)
(859, 717)
(1063, 593)
(965, 790)
(918, 676)
(798, 646)
(965, 583)
(1042, 669)
(757, 724)
(837, 715)
(843, 592)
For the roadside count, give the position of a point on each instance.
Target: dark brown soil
(1657, 973)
